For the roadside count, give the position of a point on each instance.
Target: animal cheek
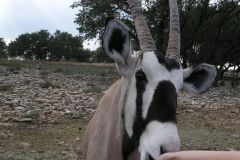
(158, 138)
(148, 152)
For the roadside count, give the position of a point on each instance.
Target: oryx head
(154, 81)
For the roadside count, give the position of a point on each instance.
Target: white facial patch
(177, 78)
(157, 135)
(155, 73)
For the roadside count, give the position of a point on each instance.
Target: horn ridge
(173, 49)
(143, 33)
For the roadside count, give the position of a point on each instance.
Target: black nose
(162, 150)
(150, 157)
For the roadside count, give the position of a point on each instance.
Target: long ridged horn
(144, 36)
(173, 50)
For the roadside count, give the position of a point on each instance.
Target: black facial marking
(150, 157)
(117, 40)
(128, 145)
(141, 56)
(131, 143)
(164, 103)
(139, 124)
(169, 63)
(197, 78)
(162, 109)
(140, 76)
(162, 150)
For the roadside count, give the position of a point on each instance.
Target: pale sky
(22, 16)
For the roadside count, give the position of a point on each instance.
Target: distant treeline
(42, 45)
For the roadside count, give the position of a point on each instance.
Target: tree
(3, 47)
(31, 45)
(204, 26)
(100, 56)
(64, 45)
(92, 15)
(42, 45)
(20, 46)
(210, 32)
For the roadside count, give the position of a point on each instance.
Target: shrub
(47, 84)
(6, 88)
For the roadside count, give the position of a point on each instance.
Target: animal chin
(157, 139)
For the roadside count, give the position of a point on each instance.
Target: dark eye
(140, 75)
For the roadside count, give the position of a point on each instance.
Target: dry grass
(67, 68)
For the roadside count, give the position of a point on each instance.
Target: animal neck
(117, 96)
(114, 125)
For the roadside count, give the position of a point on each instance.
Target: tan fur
(103, 135)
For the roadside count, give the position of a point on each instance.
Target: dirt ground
(212, 125)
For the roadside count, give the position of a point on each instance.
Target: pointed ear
(117, 45)
(200, 78)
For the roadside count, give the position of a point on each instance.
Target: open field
(45, 106)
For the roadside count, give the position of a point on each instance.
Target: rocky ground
(43, 112)
(44, 100)
(49, 104)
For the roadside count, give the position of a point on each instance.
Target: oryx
(136, 118)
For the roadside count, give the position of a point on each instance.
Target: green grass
(44, 73)
(6, 88)
(79, 68)
(205, 139)
(15, 64)
(59, 70)
(93, 88)
(67, 68)
(46, 137)
(46, 84)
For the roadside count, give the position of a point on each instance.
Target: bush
(46, 84)
(6, 88)
(100, 56)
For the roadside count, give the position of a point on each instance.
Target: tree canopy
(210, 32)
(63, 44)
(3, 47)
(42, 45)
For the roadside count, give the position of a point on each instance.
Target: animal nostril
(162, 151)
(150, 157)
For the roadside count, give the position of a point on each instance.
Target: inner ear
(200, 78)
(116, 41)
(197, 78)
(117, 45)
